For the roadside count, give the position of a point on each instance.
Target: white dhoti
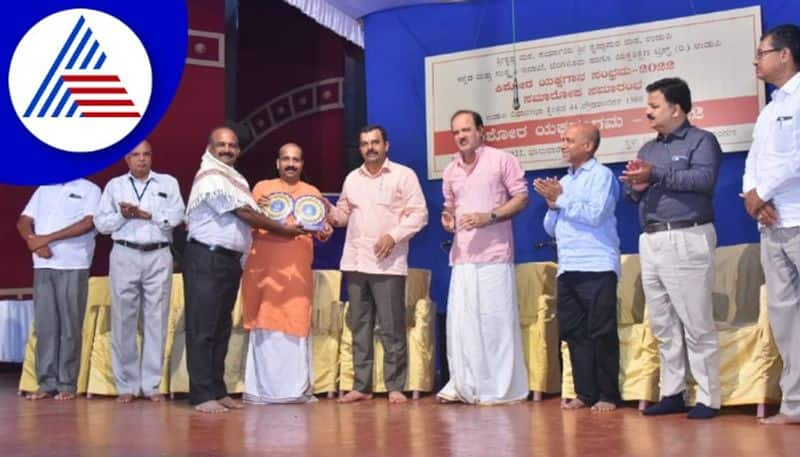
(278, 369)
(484, 344)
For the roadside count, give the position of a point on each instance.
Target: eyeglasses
(760, 53)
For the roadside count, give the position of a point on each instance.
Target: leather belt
(654, 227)
(142, 247)
(216, 248)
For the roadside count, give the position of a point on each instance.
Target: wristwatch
(492, 217)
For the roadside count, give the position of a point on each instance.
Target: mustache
(290, 169)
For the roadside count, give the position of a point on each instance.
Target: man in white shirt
(220, 215)
(771, 189)
(57, 226)
(139, 210)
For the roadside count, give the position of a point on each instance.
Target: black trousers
(587, 319)
(210, 285)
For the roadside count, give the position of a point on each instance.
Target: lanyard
(139, 195)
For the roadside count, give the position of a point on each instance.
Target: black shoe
(701, 411)
(672, 404)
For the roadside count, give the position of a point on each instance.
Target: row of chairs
(331, 341)
(750, 367)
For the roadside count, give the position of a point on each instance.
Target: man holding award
(383, 207)
(277, 287)
(220, 215)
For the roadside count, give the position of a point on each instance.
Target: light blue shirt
(583, 223)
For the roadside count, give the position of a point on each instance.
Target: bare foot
(211, 406)
(445, 401)
(156, 398)
(125, 398)
(780, 419)
(230, 403)
(573, 404)
(38, 395)
(565, 402)
(397, 396)
(354, 396)
(65, 396)
(603, 407)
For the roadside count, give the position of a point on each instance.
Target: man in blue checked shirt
(581, 218)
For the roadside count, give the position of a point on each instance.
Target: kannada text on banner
(598, 77)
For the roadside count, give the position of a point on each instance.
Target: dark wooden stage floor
(100, 426)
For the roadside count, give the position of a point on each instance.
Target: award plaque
(279, 206)
(309, 211)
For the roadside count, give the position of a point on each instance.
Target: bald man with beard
(277, 288)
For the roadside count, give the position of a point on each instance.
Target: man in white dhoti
(483, 189)
(277, 288)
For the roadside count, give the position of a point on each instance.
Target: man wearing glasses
(771, 191)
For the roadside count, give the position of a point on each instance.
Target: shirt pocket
(679, 162)
(157, 201)
(783, 134)
(72, 209)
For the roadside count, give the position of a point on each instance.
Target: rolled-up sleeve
(514, 176)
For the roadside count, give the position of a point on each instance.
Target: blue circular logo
(86, 82)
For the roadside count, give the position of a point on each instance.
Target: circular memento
(309, 211)
(279, 206)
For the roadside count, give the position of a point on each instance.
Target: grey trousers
(141, 283)
(384, 296)
(780, 257)
(59, 304)
(678, 280)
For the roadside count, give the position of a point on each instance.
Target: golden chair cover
(327, 319)
(536, 293)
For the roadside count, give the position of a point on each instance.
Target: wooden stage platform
(101, 427)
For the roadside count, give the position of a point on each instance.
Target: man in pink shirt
(383, 207)
(483, 189)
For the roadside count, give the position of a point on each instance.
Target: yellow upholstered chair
(750, 365)
(327, 318)
(536, 293)
(101, 374)
(234, 360)
(638, 348)
(98, 295)
(420, 319)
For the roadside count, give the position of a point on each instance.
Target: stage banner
(598, 77)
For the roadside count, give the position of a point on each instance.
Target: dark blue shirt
(685, 168)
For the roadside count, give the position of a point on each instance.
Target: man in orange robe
(277, 291)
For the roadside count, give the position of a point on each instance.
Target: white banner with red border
(598, 77)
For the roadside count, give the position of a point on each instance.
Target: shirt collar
(789, 88)
(679, 132)
(151, 176)
(588, 165)
(460, 159)
(386, 168)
